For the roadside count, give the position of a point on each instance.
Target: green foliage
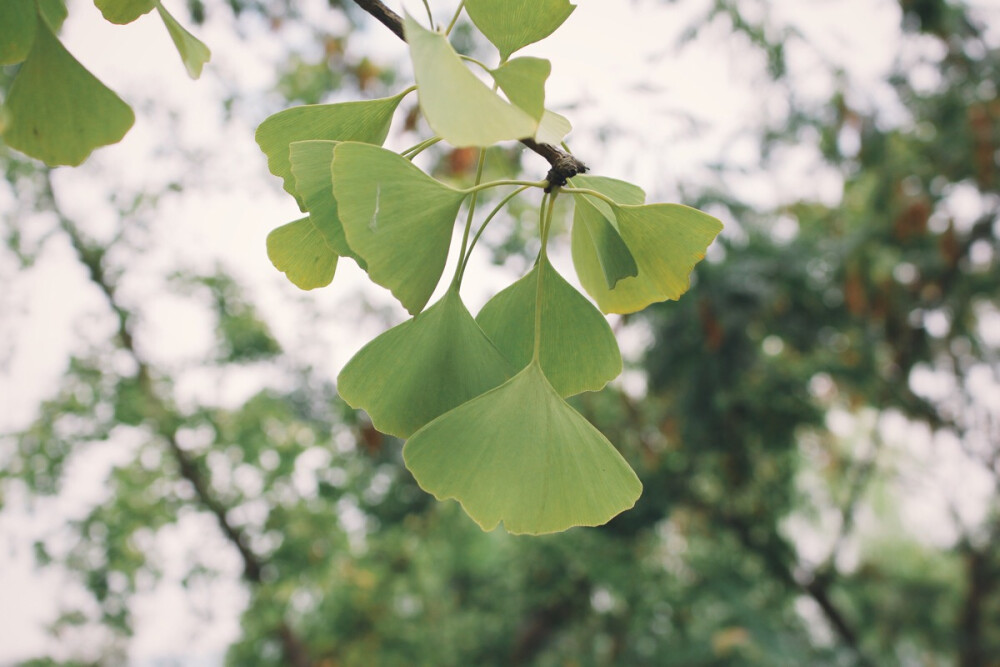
(194, 54)
(577, 349)
(299, 251)
(521, 455)
(312, 164)
(56, 110)
(424, 376)
(513, 24)
(423, 368)
(124, 11)
(729, 439)
(457, 105)
(366, 121)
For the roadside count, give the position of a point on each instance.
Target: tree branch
(563, 165)
(164, 421)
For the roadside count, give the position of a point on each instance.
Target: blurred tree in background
(833, 372)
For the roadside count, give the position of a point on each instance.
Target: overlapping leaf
(313, 170)
(124, 11)
(193, 52)
(523, 82)
(422, 368)
(17, 30)
(593, 217)
(553, 128)
(520, 454)
(299, 251)
(56, 110)
(457, 105)
(578, 350)
(665, 240)
(396, 217)
(367, 121)
(513, 24)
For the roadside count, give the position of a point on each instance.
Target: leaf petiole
(505, 181)
(417, 149)
(590, 193)
(482, 227)
(544, 224)
(454, 19)
(468, 221)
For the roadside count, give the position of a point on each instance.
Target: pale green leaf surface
(578, 349)
(299, 251)
(457, 105)
(422, 368)
(193, 52)
(312, 166)
(523, 82)
(666, 240)
(396, 217)
(124, 11)
(621, 192)
(553, 128)
(520, 454)
(17, 30)
(594, 217)
(513, 24)
(366, 121)
(56, 110)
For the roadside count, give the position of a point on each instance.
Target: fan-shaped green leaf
(457, 105)
(193, 52)
(299, 251)
(553, 128)
(56, 110)
(17, 30)
(666, 241)
(520, 454)
(367, 121)
(523, 82)
(594, 217)
(578, 349)
(513, 24)
(396, 217)
(124, 11)
(422, 368)
(313, 170)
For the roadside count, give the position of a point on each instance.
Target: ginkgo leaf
(396, 217)
(55, 13)
(422, 368)
(299, 251)
(594, 217)
(553, 128)
(520, 454)
(457, 105)
(513, 24)
(523, 82)
(666, 241)
(578, 349)
(17, 30)
(366, 121)
(313, 170)
(193, 52)
(124, 11)
(56, 110)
